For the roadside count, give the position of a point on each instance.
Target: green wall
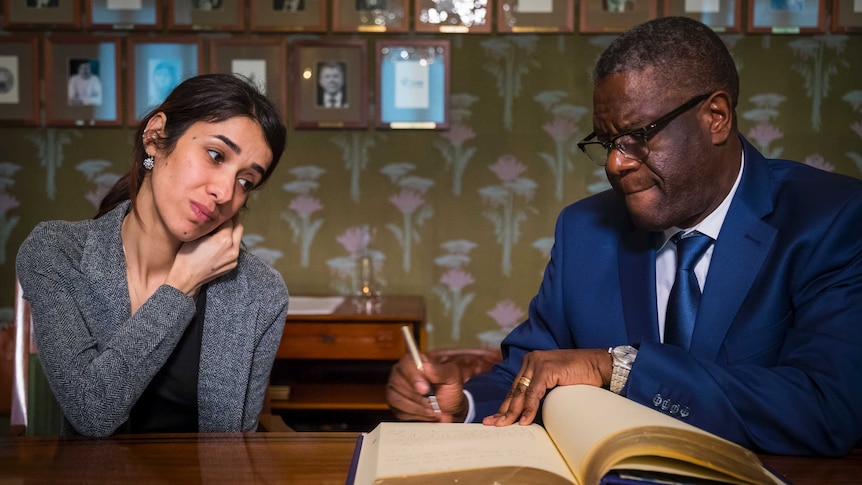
(465, 216)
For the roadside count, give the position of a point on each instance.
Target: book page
(581, 418)
(402, 449)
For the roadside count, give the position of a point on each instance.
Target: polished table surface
(301, 458)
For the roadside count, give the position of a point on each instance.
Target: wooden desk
(289, 458)
(337, 364)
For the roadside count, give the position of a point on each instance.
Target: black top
(170, 403)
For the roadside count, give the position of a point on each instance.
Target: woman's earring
(149, 162)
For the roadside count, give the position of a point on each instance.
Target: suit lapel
(226, 354)
(739, 253)
(637, 285)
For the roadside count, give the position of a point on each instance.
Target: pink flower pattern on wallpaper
(508, 316)
(300, 209)
(7, 203)
(504, 213)
(456, 154)
(410, 201)
(764, 133)
(510, 59)
(95, 172)
(50, 143)
(453, 281)
(357, 242)
(817, 67)
(564, 131)
(817, 161)
(854, 99)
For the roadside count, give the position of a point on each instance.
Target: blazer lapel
(637, 285)
(227, 351)
(739, 253)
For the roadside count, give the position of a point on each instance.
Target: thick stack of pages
(591, 436)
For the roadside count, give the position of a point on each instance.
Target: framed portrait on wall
(607, 16)
(289, 15)
(19, 80)
(371, 16)
(846, 16)
(720, 15)
(43, 14)
(448, 16)
(786, 16)
(413, 84)
(200, 15)
(260, 60)
(329, 82)
(82, 81)
(124, 14)
(156, 68)
(535, 16)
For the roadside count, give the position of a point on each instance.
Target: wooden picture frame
(413, 84)
(82, 80)
(202, 15)
(786, 16)
(535, 16)
(124, 14)
(428, 16)
(371, 16)
(261, 60)
(719, 15)
(19, 80)
(45, 15)
(156, 67)
(609, 16)
(315, 62)
(846, 16)
(289, 15)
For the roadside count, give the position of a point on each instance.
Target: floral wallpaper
(464, 217)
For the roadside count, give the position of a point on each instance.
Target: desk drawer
(342, 341)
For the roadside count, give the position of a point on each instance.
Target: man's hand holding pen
(409, 387)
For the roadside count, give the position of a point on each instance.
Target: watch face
(625, 354)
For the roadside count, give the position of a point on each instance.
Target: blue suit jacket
(776, 357)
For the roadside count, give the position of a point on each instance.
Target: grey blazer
(98, 359)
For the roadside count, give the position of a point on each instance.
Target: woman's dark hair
(210, 98)
(682, 52)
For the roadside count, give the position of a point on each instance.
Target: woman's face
(206, 179)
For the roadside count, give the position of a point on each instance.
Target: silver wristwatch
(624, 356)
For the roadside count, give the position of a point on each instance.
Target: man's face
(331, 79)
(678, 183)
(84, 70)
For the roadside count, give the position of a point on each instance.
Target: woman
(150, 317)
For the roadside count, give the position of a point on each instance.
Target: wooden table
(300, 458)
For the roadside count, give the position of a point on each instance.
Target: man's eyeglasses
(633, 144)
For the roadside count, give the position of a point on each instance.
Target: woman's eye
(247, 185)
(216, 156)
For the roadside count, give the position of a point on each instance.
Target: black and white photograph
(85, 86)
(288, 5)
(291, 15)
(331, 91)
(252, 70)
(9, 82)
(19, 80)
(43, 3)
(207, 5)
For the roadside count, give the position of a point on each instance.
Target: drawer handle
(327, 338)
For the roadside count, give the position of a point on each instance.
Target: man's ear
(721, 117)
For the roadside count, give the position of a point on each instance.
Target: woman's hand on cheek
(206, 258)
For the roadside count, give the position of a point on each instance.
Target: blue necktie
(685, 294)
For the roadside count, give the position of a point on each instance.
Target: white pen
(417, 359)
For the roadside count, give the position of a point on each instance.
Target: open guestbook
(590, 435)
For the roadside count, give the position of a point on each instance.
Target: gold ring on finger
(525, 381)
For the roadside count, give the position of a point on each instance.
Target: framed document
(288, 15)
(447, 16)
(786, 16)
(536, 16)
(413, 84)
(82, 80)
(43, 14)
(371, 16)
(206, 15)
(260, 60)
(605, 16)
(720, 15)
(329, 84)
(846, 16)
(124, 14)
(156, 67)
(19, 80)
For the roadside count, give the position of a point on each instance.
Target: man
(774, 359)
(330, 81)
(84, 87)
